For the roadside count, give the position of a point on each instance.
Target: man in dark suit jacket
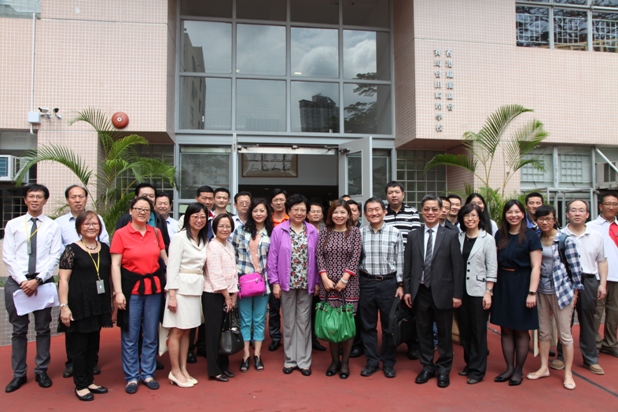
(433, 280)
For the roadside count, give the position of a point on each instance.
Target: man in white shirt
(242, 202)
(76, 197)
(594, 278)
(163, 205)
(31, 249)
(607, 226)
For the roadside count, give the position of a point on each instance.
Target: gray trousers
(296, 313)
(19, 341)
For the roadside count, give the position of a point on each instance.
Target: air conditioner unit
(9, 168)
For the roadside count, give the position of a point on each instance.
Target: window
(20, 8)
(568, 24)
(417, 183)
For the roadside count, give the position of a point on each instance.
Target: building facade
(321, 97)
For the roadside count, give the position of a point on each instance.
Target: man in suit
(444, 214)
(433, 279)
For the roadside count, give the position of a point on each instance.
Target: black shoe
(287, 370)
(131, 388)
(344, 371)
(96, 370)
(318, 346)
(501, 378)
(609, 351)
(229, 374)
(356, 352)
(99, 390)
(552, 353)
(68, 372)
(424, 376)
(370, 370)
(160, 365)
(306, 372)
(87, 397)
(473, 381)
(191, 358)
(15, 384)
(515, 382)
(443, 380)
(200, 352)
(220, 378)
(389, 372)
(333, 368)
(463, 372)
(274, 345)
(258, 363)
(151, 384)
(413, 353)
(43, 380)
(244, 365)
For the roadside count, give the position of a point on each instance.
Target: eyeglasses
(90, 225)
(141, 210)
(278, 201)
(471, 217)
(198, 217)
(244, 203)
(612, 204)
(546, 219)
(577, 211)
(224, 227)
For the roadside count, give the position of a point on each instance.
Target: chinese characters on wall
(443, 85)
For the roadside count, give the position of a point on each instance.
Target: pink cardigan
(220, 268)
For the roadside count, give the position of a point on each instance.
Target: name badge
(100, 287)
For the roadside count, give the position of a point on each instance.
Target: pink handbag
(251, 284)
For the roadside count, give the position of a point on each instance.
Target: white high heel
(175, 381)
(192, 380)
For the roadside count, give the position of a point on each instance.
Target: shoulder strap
(562, 252)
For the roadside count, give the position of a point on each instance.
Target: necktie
(428, 257)
(32, 256)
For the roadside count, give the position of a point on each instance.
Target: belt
(507, 269)
(378, 277)
(589, 275)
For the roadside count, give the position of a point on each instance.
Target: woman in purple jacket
(292, 270)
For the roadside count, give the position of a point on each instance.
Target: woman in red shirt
(136, 252)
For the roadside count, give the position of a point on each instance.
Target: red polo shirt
(140, 254)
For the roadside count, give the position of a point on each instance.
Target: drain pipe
(32, 68)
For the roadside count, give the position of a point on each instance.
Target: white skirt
(188, 313)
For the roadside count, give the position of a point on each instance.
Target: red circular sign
(120, 120)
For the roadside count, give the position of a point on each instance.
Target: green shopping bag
(334, 324)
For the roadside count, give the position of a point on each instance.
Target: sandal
(244, 365)
(258, 363)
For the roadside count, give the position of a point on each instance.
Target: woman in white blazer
(478, 249)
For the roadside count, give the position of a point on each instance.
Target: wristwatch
(531, 293)
(39, 280)
(491, 291)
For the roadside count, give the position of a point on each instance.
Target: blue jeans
(253, 313)
(143, 316)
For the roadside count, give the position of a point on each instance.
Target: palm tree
(482, 147)
(119, 159)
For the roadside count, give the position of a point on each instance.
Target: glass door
(355, 166)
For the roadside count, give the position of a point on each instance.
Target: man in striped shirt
(404, 218)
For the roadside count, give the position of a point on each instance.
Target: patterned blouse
(299, 259)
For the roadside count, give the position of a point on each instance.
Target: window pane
(261, 9)
(260, 105)
(605, 31)
(206, 47)
(605, 3)
(315, 11)
(20, 8)
(206, 8)
(315, 107)
(570, 29)
(355, 174)
(315, 52)
(261, 49)
(582, 2)
(532, 26)
(368, 13)
(199, 165)
(367, 108)
(381, 172)
(366, 55)
(205, 103)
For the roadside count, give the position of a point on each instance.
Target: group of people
(456, 265)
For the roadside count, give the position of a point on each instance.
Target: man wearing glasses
(607, 226)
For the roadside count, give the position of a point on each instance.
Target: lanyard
(96, 264)
(33, 233)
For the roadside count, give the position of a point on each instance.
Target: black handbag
(401, 323)
(231, 341)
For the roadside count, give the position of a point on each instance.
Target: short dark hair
(466, 210)
(277, 192)
(243, 193)
(354, 202)
(81, 218)
(547, 210)
(204, 189)
(163, 194)
(35, 187)
(393, 183)
(430, 197)
(224, 190)
(143, 185)
(217, 219)
(453, 196)
(535, 194)
(444, 199)
(68, 189)
(138, 198)
(602, 197)
(373, 199)
(294, 200)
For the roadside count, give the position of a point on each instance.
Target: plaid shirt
(244, 263)
(564, 286)
(382, 251)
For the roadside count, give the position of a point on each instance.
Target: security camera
(56, 110)
(43, 109)
(58, 116)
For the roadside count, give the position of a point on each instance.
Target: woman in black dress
(514, 303)
(85, 302)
